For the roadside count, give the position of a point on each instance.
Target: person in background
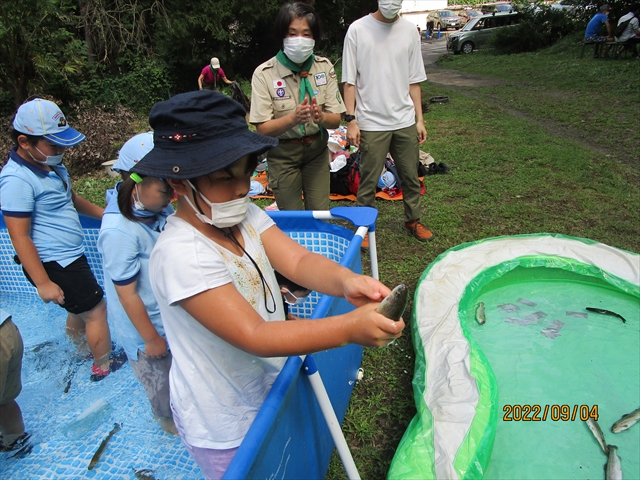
(41, 213)
(631, 35)
(136, 213)
(11, 351)
(295, 98)
(384, 105)
(212, 76)
(292, 294)
(212, 272)
(592, 33)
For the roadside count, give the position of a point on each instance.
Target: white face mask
(225, 214)
(298, 49)
(137, 204)
(51, 160)
(390, 8)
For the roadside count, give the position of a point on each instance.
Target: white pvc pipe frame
(361, 232)
(313, 375)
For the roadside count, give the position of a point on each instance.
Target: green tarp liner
(539, 347)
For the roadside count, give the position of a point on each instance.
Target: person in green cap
(295, 97)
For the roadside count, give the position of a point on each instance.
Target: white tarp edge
(451, 393)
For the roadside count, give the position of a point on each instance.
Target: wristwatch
(349, 118)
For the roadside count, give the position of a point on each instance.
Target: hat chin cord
(228, 233)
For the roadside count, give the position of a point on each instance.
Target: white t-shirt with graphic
(216, 388)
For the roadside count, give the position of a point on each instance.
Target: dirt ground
(452, 78)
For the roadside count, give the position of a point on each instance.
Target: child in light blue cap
(136, 213)
(41, 213)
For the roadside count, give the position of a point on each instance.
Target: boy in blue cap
(41, 213)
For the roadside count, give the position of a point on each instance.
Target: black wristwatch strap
(349, 118)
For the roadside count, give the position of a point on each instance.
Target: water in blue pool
(56, 390)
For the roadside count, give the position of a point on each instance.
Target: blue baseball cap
(132, 151)
(43, 118)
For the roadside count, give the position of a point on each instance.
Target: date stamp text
(555, 413)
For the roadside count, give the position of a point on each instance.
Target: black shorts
(81, 289)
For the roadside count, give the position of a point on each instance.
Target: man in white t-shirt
(382, 69)
(631, 34)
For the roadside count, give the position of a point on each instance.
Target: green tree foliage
(133, 52)
(40, 48)
(537, 29)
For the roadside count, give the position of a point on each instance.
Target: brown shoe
(418, 230)
(365, 241)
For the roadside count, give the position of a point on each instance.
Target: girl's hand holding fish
(372, 329)
(360, 290)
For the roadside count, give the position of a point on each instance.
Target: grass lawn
(554, 148)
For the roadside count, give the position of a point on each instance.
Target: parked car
(496, 8)
(504, 7)
(443, 20)
(476, 33)
(563, 7)
(470, 15)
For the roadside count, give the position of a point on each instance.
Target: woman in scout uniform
(295, 97)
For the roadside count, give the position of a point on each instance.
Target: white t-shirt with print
(216, 388)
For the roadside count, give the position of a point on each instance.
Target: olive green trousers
(405, 150)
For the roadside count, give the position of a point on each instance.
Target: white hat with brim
(42, 118)
(215, 63)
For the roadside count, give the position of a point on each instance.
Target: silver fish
(144, 474)
(613, 470)
(626, 421)
(597, 432)
(394, 304)
(96, 456)
(480, 317)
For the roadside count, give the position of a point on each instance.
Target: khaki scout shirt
(275, 92)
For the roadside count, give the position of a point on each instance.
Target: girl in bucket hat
(212, 271)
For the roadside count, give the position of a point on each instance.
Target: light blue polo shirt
(125, 247)
(27, 190)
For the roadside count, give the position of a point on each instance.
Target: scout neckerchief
(215, 76)
(303, 72)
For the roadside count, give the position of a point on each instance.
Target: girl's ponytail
(125, 202)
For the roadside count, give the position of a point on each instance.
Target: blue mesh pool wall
(290, 438)
(290, 434)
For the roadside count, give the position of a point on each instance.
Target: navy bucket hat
(197, 133)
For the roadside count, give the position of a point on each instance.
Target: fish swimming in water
(96, 456)
(602, 311)
(597, 432)
(394, 304)
(144, 474)
(626, 421)
(613, 469)
(480, 317)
